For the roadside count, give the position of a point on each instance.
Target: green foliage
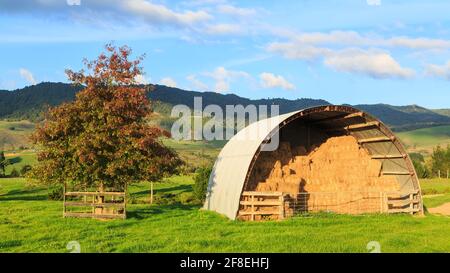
(440, 161)
(103, 139)
(201, 179)
(419, 164)
(25, 169)
(14, 173)
(3, 163)
(56, 193)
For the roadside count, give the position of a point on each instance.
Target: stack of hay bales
(338, 175)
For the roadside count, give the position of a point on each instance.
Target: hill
(28, 103)
(425, 139)
(444, 112)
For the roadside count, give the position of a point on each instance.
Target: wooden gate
(259, 205)
(88, 205)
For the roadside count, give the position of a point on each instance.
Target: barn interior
(338, 161)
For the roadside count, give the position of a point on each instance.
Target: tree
(201, 180)
(102, 139)
(3, 163)
(440, 160)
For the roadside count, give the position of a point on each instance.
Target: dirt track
(442, 209)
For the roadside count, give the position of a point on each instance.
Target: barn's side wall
(230, 169)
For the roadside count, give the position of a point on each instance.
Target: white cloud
(269, 80)
(141, 79)
(300, 52)
(27, 75)
(224, 29)
(235, 11)
(156, 13)
(373, 63)
(373, 2)
(168, 82)
(101, 10)
(353, 39)
(349, 51)
(224, 77)
(197, 84)
(440, 71)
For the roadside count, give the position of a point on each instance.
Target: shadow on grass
(24, 195)
(146, 212)
(15, 160)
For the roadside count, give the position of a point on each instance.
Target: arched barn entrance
(329, 158)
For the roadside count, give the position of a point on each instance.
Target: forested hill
(28, 103)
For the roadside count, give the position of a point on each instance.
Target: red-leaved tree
(103, 138)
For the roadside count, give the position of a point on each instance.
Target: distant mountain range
(28, 103)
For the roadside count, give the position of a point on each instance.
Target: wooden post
(253, 208)
(411, 204)
(64, 199)
(447, 173)
(151, 192)
(439, 174)
(381, 202)
(125, 201)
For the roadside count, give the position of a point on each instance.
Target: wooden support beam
(405, 210)
(375, 139)
(388, 156)
(261, 203)
(261, 212)
(338, 117)
(396, 173)
(261, 193)
(353, 127)
(363, 125)
(401, 203)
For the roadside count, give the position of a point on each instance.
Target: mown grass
(30, 223)
(435, 186)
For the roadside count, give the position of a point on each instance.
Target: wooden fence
(95, 205)
(256, 206)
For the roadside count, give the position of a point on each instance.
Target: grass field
(31, 223)
(424, 140)
(15, 134)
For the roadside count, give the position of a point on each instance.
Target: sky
(354, 51)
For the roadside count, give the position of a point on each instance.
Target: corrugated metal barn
(327, 159)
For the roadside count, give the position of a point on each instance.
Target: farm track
(442, 209)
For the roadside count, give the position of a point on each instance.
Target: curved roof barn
(235, 164)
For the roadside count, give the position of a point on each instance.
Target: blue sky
(358, 51)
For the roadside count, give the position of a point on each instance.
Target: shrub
(187, 198)
(25, 169)
(56, 193)
(201, 179)
(165, 199)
